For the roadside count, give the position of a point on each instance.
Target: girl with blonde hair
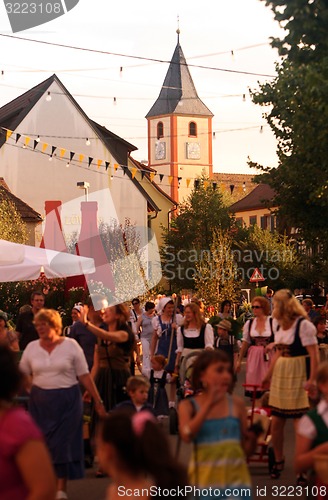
(296, 350)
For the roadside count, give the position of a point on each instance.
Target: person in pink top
(26, 472)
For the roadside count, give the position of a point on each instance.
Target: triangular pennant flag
(179, 180)
(62, 152)
(81, 158)
(18, 136)
(71, 155)
(133, 172)
(106, 165)
(152, 175)
(124, 169)
(8, 134)
(206, 183)
(115, 166)
(27, 141)
(44, 147)
(161, 177)
(170, 179)
(90, 161)
(214, 184)
(143, 173)
(188, 182)
(99, 162)
(53, 149)
(35, 143)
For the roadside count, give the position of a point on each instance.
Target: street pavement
(91, 488)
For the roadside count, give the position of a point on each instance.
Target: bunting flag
(99, 162)
(8, 134)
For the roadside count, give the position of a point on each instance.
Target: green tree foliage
(273, 254)
(217, 276)
(191, 232)
(297, 102)
(12, 227)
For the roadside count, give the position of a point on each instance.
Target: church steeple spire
(178, 94)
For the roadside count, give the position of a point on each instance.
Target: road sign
(256, 276)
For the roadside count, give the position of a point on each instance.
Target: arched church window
(160, 130)
(192, 129)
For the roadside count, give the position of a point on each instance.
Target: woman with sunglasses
(257, 335)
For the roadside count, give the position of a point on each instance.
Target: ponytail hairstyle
(142, 447)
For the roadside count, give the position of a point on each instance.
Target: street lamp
(84, 185)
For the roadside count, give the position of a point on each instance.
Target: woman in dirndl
(56, 365)
(257, 335)
(292, 371)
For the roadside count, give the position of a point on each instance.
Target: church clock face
(160, 150)
(193, 150)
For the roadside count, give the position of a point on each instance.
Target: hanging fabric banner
(206, 184)
(115, 166)
(81, 158)
(18, 136)
(53, 149)
(106, 165)
(161, 177)
(188, 182)
(44, 147)
(90, 161)
(133, 172)
(99, 162)
(152, 175)
(71, 155)
(27, 141)
(170, 179)
(62, 152)
(35, 143)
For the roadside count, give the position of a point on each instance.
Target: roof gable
(178, 94)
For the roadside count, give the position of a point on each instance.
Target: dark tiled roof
(115, 144)
(178, 94)
(25, 211)
(260, 197)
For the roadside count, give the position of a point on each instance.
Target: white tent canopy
(22, 262)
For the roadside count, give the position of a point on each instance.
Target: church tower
(179, 131)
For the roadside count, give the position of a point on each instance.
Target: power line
(97, 51)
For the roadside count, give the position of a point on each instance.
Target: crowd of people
(125, 365)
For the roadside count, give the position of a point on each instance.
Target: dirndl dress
(58, 413)
(218, 460)
(288, 398)
(164, 342)
(157, 395)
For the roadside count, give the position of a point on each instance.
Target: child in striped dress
(217, 424)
